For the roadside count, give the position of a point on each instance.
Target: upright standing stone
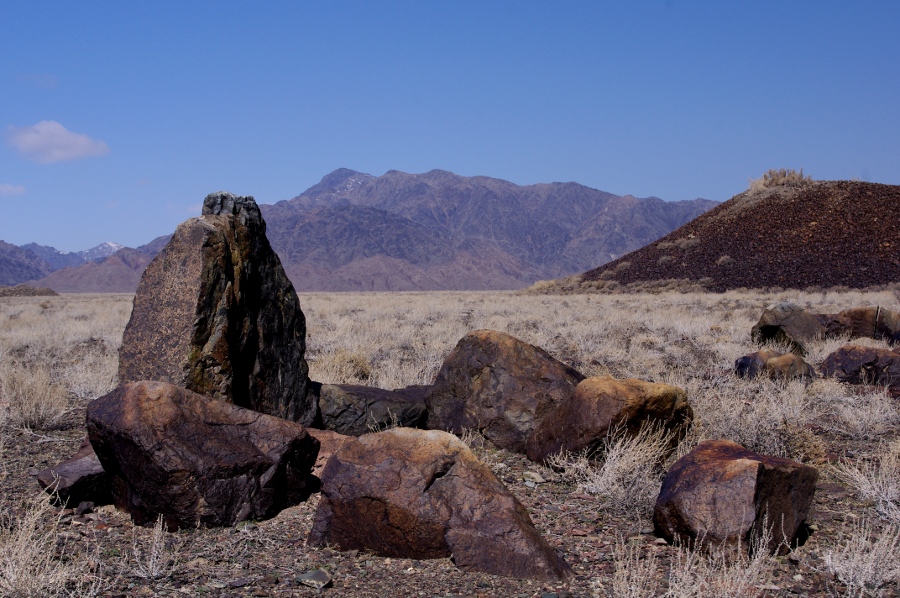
(216, 314)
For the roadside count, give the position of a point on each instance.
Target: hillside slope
(825, 234)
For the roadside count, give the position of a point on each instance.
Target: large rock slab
(423, 494)
(754, 364)
(355, 410)
(79, 478)
(857, 364)
(720, 493)
(498, 385)
(600, 405)
(216, 314)
(329, 443)
(197, 460)
(789, 324)
(864, 322)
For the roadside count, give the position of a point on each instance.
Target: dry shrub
(156, 555)
(29, 398)
(687, 242)
(634, 574)
(30, 564)
(626, 473)
(866, 561)
(724, 260)
(722, 572)
(877, 481)
(780, 177)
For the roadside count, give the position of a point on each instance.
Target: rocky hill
(439, 230)
(820, 234)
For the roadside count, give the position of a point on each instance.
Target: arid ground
(57, 353)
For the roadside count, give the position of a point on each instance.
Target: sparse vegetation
(779, 177)
(664, 334)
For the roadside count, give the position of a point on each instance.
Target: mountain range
(399, 231)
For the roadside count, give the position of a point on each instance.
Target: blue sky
(117, 118)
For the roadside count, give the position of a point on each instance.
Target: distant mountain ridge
(354, 231)
(439, 230)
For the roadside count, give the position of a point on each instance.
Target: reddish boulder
(752, 365)
(498, 385)
(215, 313)
(197, 460)
(857, 364)
(329, 443)
(423, 494)
(602, 404)
(863, 322)
(789, 367)
(790, 324)
(720, 494)
(79, 478)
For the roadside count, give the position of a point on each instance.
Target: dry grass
(394, 340)
(867, 560)
(779, 177)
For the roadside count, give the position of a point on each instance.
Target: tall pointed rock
(216, 314)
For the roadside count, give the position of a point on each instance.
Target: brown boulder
(857, 364)
(423, 494)
(720, 494)
(864, 322)
(789, 324)
(789, 367)
(602, 404)
(354, 410)
(752, 365)
(329, 443)
(498, 385)
(197, 460)
(79, 478)
(216, 314)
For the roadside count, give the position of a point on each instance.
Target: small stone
(533, 476)
(646, 531)
(660, 541)
(530, 484)
(217, 585)
(317, 579)
(797, 577)
(84, 508)
(549, 595)
(238, 583)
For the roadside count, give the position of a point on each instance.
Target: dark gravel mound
(825, 234)
(23, 290)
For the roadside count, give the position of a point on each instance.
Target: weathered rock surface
(498, 385)
(863, 322)
(752, 365)
(423, 494)
(216, 314)
(600, 405)
(790, 324)
(329, 443)
(857, 364)
(197, 460)
(354, 410)
(790, 367)
(720, 493)
(775, 365)
(78, 478)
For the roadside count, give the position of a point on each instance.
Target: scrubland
(57, 353)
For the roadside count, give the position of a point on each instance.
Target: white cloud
(48, 141)
(7, 189)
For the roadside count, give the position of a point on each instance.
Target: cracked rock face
(720, 494)
(857, 364)
(498, 385)
(197, 460)
(423, 494)
(215, 313)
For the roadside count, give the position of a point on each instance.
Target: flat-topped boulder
(77, 479)
(788, 324)
(858, 364)
(601, 405)
(423, 494)
(195, 460)
(216, 314)
(720, 495)
(498, 385)
(355, 410)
